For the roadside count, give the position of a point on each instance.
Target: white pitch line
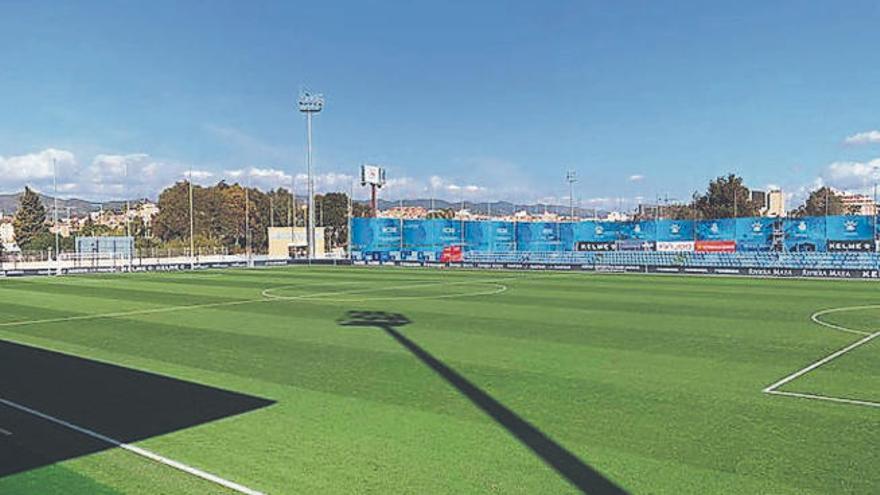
(136, 450)
(815, 317)
(5, 433)
(827, 359)
(168, 309)
(498, 289)
(825, 397)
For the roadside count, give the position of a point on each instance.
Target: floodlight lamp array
(311, 102)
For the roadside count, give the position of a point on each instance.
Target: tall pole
(571, 177)
(55, 216)
(734, 201)
(247, 225)
(826, 203)
(192, 224)
(127, 215)
(874, 206)
(350, 213)
(290, 205)
(311, 227)
(309, 104)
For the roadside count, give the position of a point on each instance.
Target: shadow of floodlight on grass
(578, 473)
(122, 404)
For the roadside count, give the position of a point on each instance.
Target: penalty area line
(135, 450)
(824, 397)
(772, 389)
(827, 359)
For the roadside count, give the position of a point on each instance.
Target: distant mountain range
(78, 207)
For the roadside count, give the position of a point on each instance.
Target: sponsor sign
(635, 245)
(861, 246)
(596, 246)
(371, 174)
(675, 246)
(451, 254)
(715, 246)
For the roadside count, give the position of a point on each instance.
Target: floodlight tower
(55, 216)
(192, 224)
(571, 178)
(310, 104)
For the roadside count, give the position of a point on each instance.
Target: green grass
(654, 381)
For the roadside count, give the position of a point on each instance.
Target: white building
(775, 204)
(7, 235)
(858, 204)
(616, 216)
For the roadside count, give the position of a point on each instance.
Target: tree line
(234, 216)
(218, 219)
(219, 215)
(727, 197)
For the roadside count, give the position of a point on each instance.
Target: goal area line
(866, 338)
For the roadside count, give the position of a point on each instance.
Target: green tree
(30, 218)
(282, 207)
(333, 210)
(820, 202)
(92, 229)
(172, 221)
(725, 197)
(45, 241)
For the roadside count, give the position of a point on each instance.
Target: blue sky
(469, 99)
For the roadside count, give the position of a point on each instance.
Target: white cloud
(326, 182)
(200, 176)
(129, 175)
(102, 178)
(636, 177)
(34, 166)
(867, 137)
(851, 175)
(439, 185)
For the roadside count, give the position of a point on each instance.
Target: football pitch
(397, 380)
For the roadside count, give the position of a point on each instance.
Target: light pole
(874, 204)
(192, 224)
(55, 215)
(571, 178)
(310, 104)
(127, 216)
(350, 214)
(247, 224)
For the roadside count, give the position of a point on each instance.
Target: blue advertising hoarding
(375, 234)
(849, 227)
(380, 238)
(593, 231)
(642, 230)
(805, 234)
(417, 236)
(495, 236)
(754, 233)
(674, 230)
(446, 232)
(539, 236)
(722, 229)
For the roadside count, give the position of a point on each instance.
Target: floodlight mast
(192, 224)
(309, 104)
(571, 178)
(55, 216)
